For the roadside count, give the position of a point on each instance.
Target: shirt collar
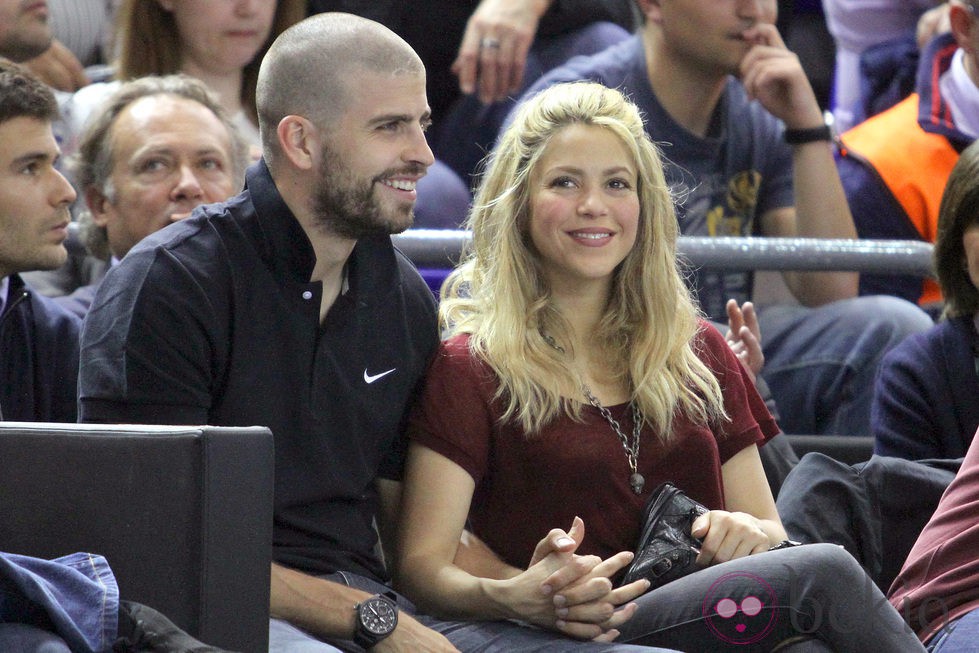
(287, 247)
(962, 96)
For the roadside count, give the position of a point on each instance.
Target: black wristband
(811, 135)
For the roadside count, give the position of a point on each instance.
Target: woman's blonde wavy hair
(500, 297)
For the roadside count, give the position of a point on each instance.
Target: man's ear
(650, 10)
(299, 141)
(97, 205)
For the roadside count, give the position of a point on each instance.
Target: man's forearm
(322, 607)
(821, 212)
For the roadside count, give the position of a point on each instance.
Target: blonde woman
(578, 376)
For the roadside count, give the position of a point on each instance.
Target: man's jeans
(820, 363)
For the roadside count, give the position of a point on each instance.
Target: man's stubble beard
(348, 210)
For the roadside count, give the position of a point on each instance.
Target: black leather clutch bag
(666, 550)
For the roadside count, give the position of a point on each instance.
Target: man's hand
(744, 336)
(494, 48)
(58, 68)
(773, 75)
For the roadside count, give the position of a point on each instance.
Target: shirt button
(307, 294)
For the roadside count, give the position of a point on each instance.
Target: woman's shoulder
(456, 345)
(456, 359)
(710, 345)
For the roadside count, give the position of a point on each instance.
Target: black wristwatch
(377, 617)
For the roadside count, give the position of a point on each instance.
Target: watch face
(378, 616)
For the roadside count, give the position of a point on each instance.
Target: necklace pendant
(637, 482)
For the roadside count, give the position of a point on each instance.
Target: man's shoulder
(420, 302)
(190, 256)
(51, 326)
(48, 314)
(200, 239)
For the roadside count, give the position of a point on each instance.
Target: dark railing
(431, 248)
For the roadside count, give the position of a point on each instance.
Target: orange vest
(913, 163)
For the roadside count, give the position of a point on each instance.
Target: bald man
(287, 306)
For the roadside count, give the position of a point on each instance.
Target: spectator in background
(937, 590)
(748, 155)
(38, 339)
(221, 44)
(926, 398)
(24, 30)
(894, 165)
(158, 148)
(856, 26)
(82, 32)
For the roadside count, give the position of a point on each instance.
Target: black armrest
(183, 515)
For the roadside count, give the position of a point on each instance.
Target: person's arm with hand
(493, 53)
(773, 75)
(750, 524)
(326, 609)
(58, 68)
(744, 337)
(437, 498)
(593, 590)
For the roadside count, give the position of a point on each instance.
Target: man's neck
(227, 86)
(332, 254)
(331, 251)
(690, 95)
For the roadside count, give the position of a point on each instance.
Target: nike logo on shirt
(370, 378)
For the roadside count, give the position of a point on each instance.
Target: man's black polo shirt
(213, 321)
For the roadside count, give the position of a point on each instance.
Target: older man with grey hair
(158, 148)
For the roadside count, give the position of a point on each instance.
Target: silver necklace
(636, 480)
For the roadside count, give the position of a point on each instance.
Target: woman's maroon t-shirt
(526, 486)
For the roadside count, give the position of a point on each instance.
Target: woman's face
(584, 206)
(970, 240)
(221, 35)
